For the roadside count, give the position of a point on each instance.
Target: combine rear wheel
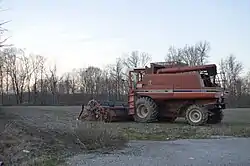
(146, 110)
(216, 117)
(196, 115)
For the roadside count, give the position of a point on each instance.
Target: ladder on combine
(131, 102)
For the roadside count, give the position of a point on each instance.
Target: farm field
(46, 135)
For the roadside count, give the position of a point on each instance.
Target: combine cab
(167, 90)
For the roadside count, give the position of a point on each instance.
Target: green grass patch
(163, 132)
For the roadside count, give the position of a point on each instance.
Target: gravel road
(226, 151)
(229, 151)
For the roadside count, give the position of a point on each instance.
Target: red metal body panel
(183, 96)
(190, 80)
(187, 69)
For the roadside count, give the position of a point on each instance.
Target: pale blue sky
(77, 33)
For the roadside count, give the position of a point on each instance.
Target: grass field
(236, 123)
(45, 135)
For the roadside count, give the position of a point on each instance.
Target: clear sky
(77, 33)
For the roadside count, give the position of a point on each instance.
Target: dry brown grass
(23, 144)
(98, 135)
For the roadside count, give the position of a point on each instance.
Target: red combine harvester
(165, 91)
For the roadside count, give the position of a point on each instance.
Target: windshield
(136, 77)
(208, 80)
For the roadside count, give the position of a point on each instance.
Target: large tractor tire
(146, 110)
(196, 115)
(216, 117)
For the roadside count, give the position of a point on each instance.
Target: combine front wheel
(196, 115)
(146, 110)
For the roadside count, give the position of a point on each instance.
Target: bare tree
(117, 75)
(70, 81)
(233, 82)
(174, 54)
(191, 54)
(2, 31)
(53, 83)
(2, 64)
(2, 58)
(136, 59)
(67, 82)
(73, 81)
(7, 74)
(107, 87)
(246, 84)
(232, 69)
(17, 63)
(28, 70)
(37, 62)
(92, 79)
(89, 80)
(81, 79)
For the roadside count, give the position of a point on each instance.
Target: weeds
(23, 144)
(180, 131)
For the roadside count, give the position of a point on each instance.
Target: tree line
(27, 79)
